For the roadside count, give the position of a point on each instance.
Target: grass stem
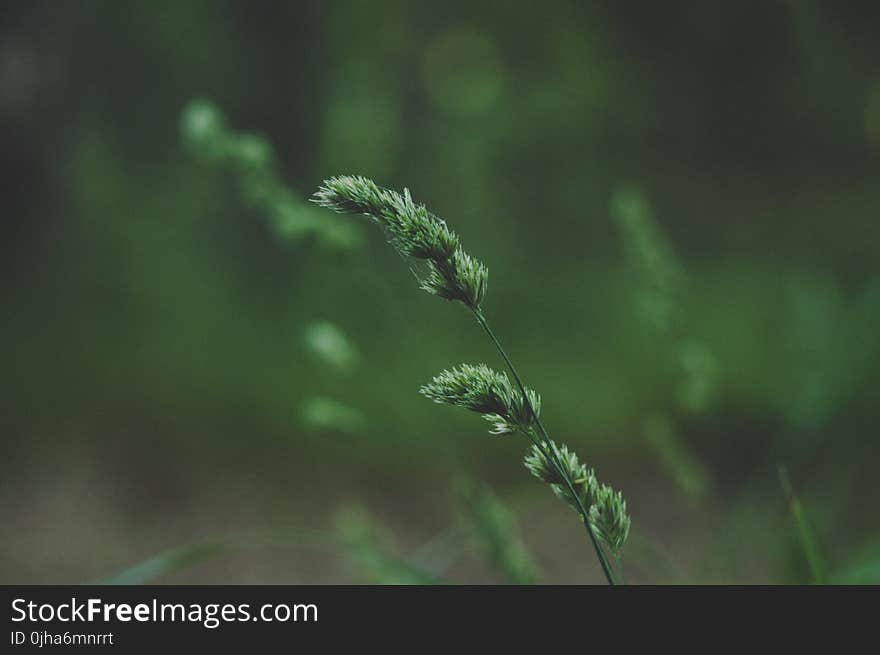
(550, 450)
(805, 534)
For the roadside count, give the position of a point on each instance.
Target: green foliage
(487, 392)
(491, 528)
(253, 165)
(449, 272)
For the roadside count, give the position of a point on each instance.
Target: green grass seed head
(415, 233)
(480, 389)
(449, 272)
(607, 508)
(609, 518)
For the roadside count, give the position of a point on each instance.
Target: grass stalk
(805, 535)
(444, 269)
(549, 451)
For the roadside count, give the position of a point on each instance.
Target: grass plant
(444, 269)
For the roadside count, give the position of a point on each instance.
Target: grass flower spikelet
(414, 232)
(485, 391)
(606, 508)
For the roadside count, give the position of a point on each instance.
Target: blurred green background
(678, 203)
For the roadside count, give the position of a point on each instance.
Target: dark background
(160, 386)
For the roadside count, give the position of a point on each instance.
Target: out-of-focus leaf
(369, 548)
(491, 528)
(805, 534)
(321, 414)
(328, 344)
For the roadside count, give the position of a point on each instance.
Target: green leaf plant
(444, 269)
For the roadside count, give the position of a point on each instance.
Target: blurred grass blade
(674, 456)
(491, 528)
(867, 573)
(657, 273)
(184, 557)
(805, 534)
(368, 546)
(438, 553)
(253, 166)
(371, 554)
(166, 563)
(863, 568)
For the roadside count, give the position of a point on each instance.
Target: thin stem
(620, 575)
(552, 456)
(548, 450)
(805, 534)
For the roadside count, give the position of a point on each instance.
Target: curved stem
(551, 455)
